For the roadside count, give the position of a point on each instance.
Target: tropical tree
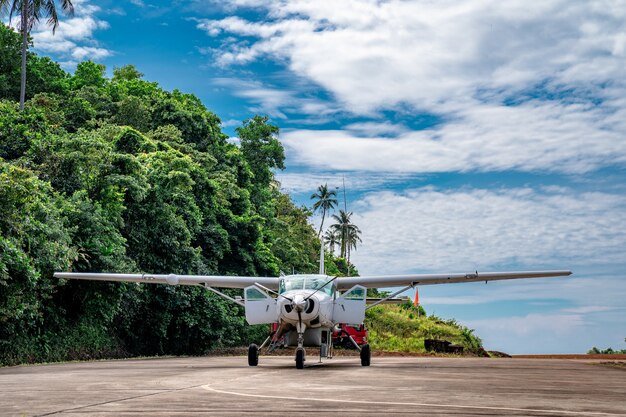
(348, 232)
(352, 239)
(332, 238)
(30, 12)
(263, 152)
(326, 200)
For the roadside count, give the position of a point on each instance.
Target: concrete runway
(227, 386)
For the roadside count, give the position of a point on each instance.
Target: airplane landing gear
(253, 355)
(300, 328)
(366, 355)
(300, 358)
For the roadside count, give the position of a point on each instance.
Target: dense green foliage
(119, 175)
(403, 328)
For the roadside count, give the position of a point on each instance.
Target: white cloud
(74, 36)
(373, 129)
(516, 85)
(355, 181)
(272, 101)
(431, 230)
(374, 54)
(512, 334)
(536, 135)
(551, 332)
(584, 292)
(231, 123)
(80, 53)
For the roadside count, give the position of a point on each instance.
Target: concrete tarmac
(341, 386)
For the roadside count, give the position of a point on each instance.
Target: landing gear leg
(300, 349)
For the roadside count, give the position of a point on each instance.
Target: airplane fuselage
(309, 304)
(313, 309)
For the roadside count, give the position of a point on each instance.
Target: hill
(404, 327)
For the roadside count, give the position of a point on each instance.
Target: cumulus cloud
(82, 53)
(426, 229)
(372, 54)
(74, 37)
(516, 86)
(273, 101)
(533, 136)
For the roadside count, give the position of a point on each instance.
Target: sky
(475, 135)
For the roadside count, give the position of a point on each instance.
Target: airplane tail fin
(322, 256)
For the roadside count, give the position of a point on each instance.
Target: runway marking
(464, 407)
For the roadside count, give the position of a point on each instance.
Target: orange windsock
(417, 298)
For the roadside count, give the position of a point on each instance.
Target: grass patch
(403, 328)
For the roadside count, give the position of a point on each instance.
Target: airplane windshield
(307, 283)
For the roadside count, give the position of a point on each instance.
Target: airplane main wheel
(300, 358)
(366, 355)
(253, 355)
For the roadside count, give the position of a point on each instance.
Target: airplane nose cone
(299, 303)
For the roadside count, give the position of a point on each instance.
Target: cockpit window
(306, 282)
(292, 283)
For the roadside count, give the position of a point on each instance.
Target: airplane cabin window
(355, 294)
(254, 294)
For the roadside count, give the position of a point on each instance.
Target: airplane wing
(386, 281)
(220, 281)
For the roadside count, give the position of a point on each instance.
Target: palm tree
(326, 200)
(30, 12)
(348, 232)
(352, 239)
(332, 238)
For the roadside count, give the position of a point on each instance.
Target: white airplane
(308, 307)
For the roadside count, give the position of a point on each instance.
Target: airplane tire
(366, 355)
(299, 358)
(253, 355)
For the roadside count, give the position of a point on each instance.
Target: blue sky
(472, 135)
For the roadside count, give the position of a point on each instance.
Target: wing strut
(228, 297)
(390, 296)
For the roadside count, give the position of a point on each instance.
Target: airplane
(307, 307)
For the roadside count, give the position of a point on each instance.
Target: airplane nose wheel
(366, 355)
(253, 355)
(299, 358)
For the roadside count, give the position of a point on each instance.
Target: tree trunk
(322, 225)
(24, 52)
